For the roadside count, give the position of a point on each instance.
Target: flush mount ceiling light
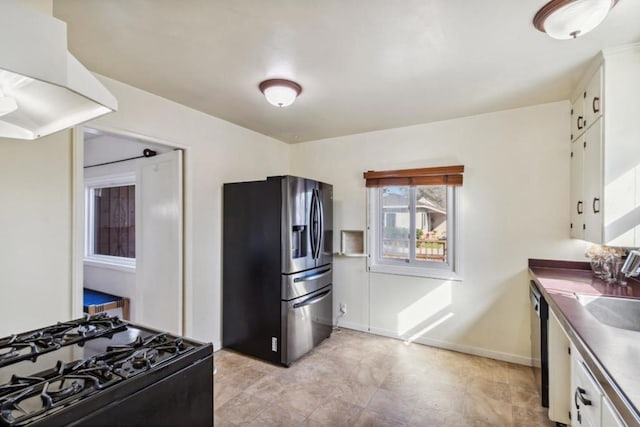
(568, 19)
(43, 88)
(280, 92)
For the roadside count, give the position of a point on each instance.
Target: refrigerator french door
(277, 267)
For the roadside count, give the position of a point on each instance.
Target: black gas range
(102, 371)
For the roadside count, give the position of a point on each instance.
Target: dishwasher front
(539, 347)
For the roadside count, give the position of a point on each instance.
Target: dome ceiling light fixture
(568, 19)
(280, 92)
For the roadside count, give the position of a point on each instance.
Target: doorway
(131, 223)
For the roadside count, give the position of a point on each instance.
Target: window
(412, 223)
(110, 221)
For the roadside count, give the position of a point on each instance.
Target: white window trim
(90, 258)
(447, 271)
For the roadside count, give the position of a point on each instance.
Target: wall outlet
(343, 308)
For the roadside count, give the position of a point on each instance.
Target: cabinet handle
(580, 122)
(595, 104)
(595, 199)
(579, 207)
(580, 394)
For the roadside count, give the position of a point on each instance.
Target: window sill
(129, 267)
(430, 273)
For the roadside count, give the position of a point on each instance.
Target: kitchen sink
(623, 313)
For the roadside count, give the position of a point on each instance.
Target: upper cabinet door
(577, 200)
(577, 117)
(592, 183)
(593, 101)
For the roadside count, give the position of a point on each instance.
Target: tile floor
(359, 379)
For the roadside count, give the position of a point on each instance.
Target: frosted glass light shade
(280, 92)
(567, 19)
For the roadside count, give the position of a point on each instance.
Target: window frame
(90, 257)
(450, 270)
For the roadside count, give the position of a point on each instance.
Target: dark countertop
(612, 354)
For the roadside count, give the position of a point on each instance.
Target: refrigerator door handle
(312, 300)
(314, 277)
(320, 223)
(313, 228)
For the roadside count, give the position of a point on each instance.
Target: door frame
(77, 218)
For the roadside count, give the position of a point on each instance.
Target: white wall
(514, 206)
(35, 232)
(216, 152)
(102, 148)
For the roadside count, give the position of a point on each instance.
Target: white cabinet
(587, 106)
(559, 371)
(589, 405)
(610, 417)
(577, 117)
(593, 102)
(605, 147)
(587, 397)
(586, 185)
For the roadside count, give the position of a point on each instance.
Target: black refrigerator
(277, 297)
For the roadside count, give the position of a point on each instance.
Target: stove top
(29, 345)
(49, 369)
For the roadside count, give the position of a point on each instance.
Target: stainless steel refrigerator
(277, 297)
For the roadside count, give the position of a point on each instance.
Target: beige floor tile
(369, 375)
(278, 416)
(240, 377)
(391, 405)
(480, 411)
(524, 397)
(222, 393)
(435, 418)
(490, 389)
(354, 392)
(222, 422)
(522, 376)
(304, 398)
(441, 397)
(359, 379)
(531, 417)
(241, 409)
(336, 412)
(369, 418)
(267, 388)
(489, 369)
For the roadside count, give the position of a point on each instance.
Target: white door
(159, 241)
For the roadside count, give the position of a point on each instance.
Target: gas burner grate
(31, 344)
(25, 398)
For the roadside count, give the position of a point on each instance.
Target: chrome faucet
(631, 267)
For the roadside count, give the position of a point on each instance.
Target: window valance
(442, 175)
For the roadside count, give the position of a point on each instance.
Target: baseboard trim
(476, 351)
(461, 348)
(353, 326)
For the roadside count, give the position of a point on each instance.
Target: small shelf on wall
(351, 244)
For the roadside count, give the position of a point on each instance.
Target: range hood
(43, 88)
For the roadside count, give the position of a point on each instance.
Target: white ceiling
(363, 64)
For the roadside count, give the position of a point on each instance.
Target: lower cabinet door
(610, 416)
(559, 371)
(587, 397)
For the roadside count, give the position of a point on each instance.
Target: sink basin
(623, 313)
